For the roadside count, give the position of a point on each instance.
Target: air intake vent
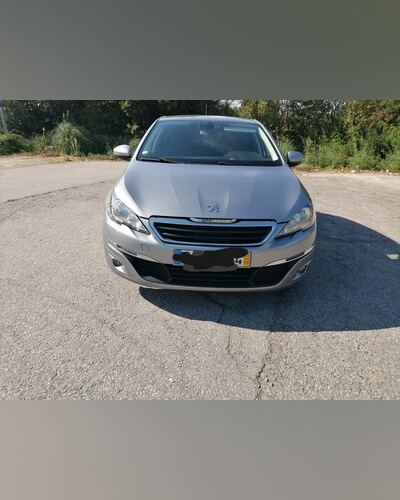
(240, 278)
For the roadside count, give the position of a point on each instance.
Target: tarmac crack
(33, 197)
(223, 307)
(11, 200)
(228, 346)
(261, 374)
(16, 210)
(258, 381)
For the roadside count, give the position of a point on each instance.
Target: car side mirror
(124, 152)
(294, 158)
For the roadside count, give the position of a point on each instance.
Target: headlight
(300, 221)
(119, 212)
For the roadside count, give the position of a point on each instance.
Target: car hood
(211, 191)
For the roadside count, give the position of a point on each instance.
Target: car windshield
(209, 141)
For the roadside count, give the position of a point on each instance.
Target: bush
(392, 161)
(393, 137)
(285, 145)
(134, 142)
(364, 158)
(14, 143)
(69, 139)
(101, 144)
(40, 143)
(333, 153)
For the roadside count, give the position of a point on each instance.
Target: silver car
(209, 203)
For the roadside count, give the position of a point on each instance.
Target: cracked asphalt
(70, 329)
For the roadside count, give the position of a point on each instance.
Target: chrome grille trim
(183, 226)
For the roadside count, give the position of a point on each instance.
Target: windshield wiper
(160, 160)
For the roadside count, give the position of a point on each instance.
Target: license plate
(227, 258)
(243, 261)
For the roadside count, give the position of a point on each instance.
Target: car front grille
(239, 278)
(205, 234)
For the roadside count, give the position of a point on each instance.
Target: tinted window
(203, 141)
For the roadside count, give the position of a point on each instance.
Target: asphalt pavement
(71, 329)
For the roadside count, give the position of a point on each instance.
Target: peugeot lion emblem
(214, 208)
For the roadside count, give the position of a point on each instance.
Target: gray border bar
(199, 450)
(199, 50)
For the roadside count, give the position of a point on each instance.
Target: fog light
(300, 272)
(116, 263)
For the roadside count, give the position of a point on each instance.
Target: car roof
(206, 118)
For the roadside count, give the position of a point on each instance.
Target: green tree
(373, 122)
(296, 121)
(141, 114)
(317, 120)
(31, 117)
(267, 112)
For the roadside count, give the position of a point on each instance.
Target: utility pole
(206, 110)
(3, 117)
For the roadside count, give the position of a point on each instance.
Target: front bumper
(287, 258)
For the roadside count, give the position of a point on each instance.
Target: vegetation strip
(357, 134)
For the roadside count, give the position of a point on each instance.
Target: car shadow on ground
(353, 284)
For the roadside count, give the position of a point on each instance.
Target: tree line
(332, 133)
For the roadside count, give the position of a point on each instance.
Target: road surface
(70, 329)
